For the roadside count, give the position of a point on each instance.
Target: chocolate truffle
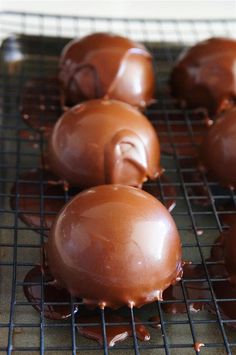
(218, 150)
(102, 142)
(204, 76)
(103, 65)
(114, 245)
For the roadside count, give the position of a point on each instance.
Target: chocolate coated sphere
(218, 150)
(115, 245)
(102, 142)
(106, 66)
(204, 76)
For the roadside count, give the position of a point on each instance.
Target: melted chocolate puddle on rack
(195, 290)
(38, 208)
(52, 294)
(91, 327)
(224, 290)
(40, 103)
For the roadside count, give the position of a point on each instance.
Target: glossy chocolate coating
(115, 245)
(204, 75)
(101, 141)
(218, 150)
(106, 66)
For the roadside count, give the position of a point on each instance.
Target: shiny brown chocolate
(204, 76)
(115, 245)
(114, 333)
(40, 103)
(101, 141)
(195, 291)
(106, 66)
(39, 213)
(218, 150)
(221, 269)
(56, 303)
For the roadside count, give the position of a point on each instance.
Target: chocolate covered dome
(103, 65)
(204, 76)
(101, 142)
(218, 150)
(114, 245)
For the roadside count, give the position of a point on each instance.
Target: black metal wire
(17, 157)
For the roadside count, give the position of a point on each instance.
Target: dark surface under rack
(36, 49)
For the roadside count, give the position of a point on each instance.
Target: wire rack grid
(24, 331)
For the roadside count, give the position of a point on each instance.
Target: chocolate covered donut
(114, 245)
(101, 141)
(204, 75)
(103, 65)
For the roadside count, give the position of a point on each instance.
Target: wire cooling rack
(37, 41)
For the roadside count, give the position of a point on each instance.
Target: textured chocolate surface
(106, 66)
(218, 150)
(114, 245)
(204, 75)
(101, 141)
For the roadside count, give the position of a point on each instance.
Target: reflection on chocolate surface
(114, 245)
(218, 150)
(51, 294)
(107, 66)
(114, 333)
(204, 75)
(103, 141)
